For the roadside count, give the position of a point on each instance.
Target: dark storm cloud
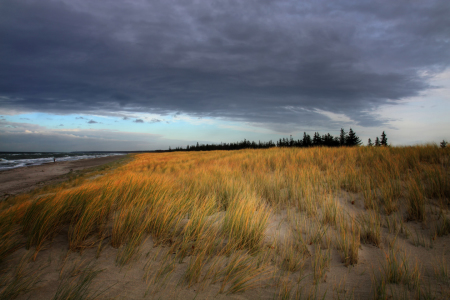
(272, 63)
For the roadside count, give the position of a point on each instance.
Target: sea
(11, 160)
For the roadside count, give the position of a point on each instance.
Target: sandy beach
(26, 179)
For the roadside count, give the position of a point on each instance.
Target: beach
(25, 179)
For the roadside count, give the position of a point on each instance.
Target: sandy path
(21, 180)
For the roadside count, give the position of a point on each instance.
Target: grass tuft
(416, 201)
(245, 222)
(22, 280)
(370, 225)
(75, 285)
(349, 242)
(320, 262)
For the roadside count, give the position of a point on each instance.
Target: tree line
(345, 139)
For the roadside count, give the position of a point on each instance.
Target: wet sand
(26, 179)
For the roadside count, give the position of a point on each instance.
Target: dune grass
(75, 283)
(349, 241)
(370, 225)
(210, 212)
(21, 280)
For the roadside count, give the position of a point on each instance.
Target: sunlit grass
(210, 213)
(245, 222)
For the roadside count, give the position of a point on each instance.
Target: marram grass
(211, 212)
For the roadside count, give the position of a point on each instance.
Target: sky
(118, 75)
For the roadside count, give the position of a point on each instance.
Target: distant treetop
(326, 140)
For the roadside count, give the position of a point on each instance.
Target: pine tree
(352, 139)
(377, 142)
(317, 140)
(369, 143)
(443, 144)
(306, 140)
(383, 139)
(342, 137)
(336, 141)
(327, 140)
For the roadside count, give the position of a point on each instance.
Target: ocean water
(11, 160)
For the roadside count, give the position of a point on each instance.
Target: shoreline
(26, 179)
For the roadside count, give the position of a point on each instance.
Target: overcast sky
(136, 75)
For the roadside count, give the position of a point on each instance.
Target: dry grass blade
(243, 272)
(370, 225)
(245, 222)
(416, 201)
(349, 242)
(22, 280)
(9, 237)
(320, 262)
(75, 285)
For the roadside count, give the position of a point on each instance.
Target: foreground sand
(57, 266)
(26, 179)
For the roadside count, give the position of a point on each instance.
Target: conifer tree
(306, 140)
(352, 139)
(336, 141)
(328, 140)
(369, 143)
(317, 140)
(342, 137)
(377, 142)
(384, 139)
(443, 144)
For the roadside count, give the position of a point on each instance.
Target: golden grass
(320, 262)
(370, 224)
(349, 241)
(210, 209)
(398, 270)
(245, 221)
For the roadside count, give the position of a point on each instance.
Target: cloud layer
(274, 63)
(31, 137)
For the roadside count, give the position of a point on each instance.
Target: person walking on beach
(54, 159)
